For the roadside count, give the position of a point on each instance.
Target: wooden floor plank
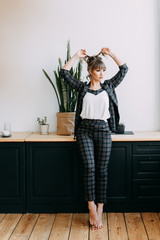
(8, 225)
(116, 226)
(43, 227)
(61, 226)
(80, 227)
(152, 224)
(2, 215)
(100, 234)
(24, 227)
(135, 226)
(158, 215)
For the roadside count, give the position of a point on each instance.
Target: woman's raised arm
(80, 54)
(123, 68)
(64, 72)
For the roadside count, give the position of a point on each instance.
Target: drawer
(146, 166)
(146, 190)
(146, 147)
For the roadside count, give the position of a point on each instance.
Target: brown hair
(94, 62)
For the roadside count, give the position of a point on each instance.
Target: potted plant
(121, 128)
(44, 126)
(66, 96)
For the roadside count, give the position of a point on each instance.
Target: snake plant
(66, 96)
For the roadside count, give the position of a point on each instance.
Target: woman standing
(96, 116)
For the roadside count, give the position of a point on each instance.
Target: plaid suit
(107, 85)
(94, 136)
(94, 146)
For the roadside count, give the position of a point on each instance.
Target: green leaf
(59, 87)
(68, 50)
(45, 73)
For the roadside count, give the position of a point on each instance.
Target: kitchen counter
(53, 137)
(15, 137)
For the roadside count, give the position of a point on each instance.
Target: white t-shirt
(95, 106)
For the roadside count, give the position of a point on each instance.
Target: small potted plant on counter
(121, 128)
(44, 126)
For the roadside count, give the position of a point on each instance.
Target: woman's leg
(93, 216)
(102, 143)
(86, 151)
(99, 214)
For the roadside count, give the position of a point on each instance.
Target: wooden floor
(62, 226)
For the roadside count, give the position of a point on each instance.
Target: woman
(96, 116)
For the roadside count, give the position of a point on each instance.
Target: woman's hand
(81, 53)
(106, 51)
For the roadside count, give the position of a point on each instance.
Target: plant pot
(120, 129)
(65, 123)
(44, 129)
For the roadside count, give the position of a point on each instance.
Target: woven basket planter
(65, 123)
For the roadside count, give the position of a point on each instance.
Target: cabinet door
(119, 173)
(52, 174)
(146, 172)
(146, 190)
(12, 177)
(146, 166)
(146, 147)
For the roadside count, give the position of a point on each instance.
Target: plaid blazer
(108, 85)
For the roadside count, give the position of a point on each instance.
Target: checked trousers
(94, 146)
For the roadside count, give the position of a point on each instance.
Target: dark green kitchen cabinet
(55, 176)
(52, 176)
(146, 172)
(47, 177)
(12, 177)
(119, 173)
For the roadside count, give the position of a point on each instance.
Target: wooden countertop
(15, 137)
(53, 137)
(137, 136)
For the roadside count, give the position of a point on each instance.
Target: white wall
(34, 33)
